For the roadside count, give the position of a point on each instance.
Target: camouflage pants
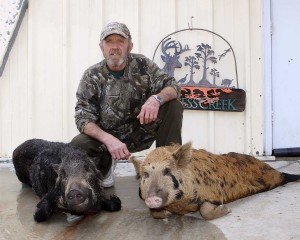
(165, 131)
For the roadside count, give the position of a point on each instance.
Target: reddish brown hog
(179, 179)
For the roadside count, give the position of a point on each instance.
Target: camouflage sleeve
(86, 109)
(160, 79)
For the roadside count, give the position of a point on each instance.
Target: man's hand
(117, 149)
(149, 111)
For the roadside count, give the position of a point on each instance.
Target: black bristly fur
(48, 167)
(113, 204)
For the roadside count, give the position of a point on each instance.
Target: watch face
(159, 99)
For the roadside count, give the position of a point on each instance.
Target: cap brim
(114, 32)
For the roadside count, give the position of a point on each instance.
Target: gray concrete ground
(269, 215)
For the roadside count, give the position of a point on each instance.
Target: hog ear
(95, 169)
(137, 165)
(183, 154)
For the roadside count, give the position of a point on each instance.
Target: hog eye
(145, 175)
(86, 167)
(166, 171)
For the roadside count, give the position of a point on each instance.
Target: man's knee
(96, 150)
(80, 139)
(87, 143)
(172, 109)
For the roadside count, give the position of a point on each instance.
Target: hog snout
(154, 202)
(75, 197)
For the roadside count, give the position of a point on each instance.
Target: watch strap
(158, 98)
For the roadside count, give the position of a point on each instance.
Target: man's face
(115, 49)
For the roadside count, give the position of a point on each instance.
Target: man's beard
(116, 62)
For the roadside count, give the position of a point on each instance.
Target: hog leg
(211, 211)
(113, 204)
(45, 207)
(161, 213)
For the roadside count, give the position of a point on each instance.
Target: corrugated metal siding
(59, 39)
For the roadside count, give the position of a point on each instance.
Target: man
(125, 103)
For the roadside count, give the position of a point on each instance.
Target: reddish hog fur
(179, 179)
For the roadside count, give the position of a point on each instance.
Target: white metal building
(58, 40)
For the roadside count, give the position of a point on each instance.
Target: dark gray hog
(64, 177)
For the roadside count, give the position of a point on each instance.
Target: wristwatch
(158, 98)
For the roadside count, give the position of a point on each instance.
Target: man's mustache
(115, 51)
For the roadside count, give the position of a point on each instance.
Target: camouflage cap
(115, 28)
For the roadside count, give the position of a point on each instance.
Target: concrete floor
(270, 215)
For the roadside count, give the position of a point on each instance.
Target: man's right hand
(117, 149)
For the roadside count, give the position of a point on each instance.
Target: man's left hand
(149, 111)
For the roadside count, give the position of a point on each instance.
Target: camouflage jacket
(114, 103)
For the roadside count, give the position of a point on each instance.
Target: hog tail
(289, 177)
(113, 204)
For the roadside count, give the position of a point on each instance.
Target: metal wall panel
(14, 97)
(59, 39)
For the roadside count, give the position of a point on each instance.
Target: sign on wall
(205, 67)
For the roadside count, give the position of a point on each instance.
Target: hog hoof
(211, 211)
(113, 204)
(43, 212)
(160, 214)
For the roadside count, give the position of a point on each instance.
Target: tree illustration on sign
(171, 52)
(215, 73)
(206, 54)
(192, 62)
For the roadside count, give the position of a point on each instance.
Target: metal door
(285, 19)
